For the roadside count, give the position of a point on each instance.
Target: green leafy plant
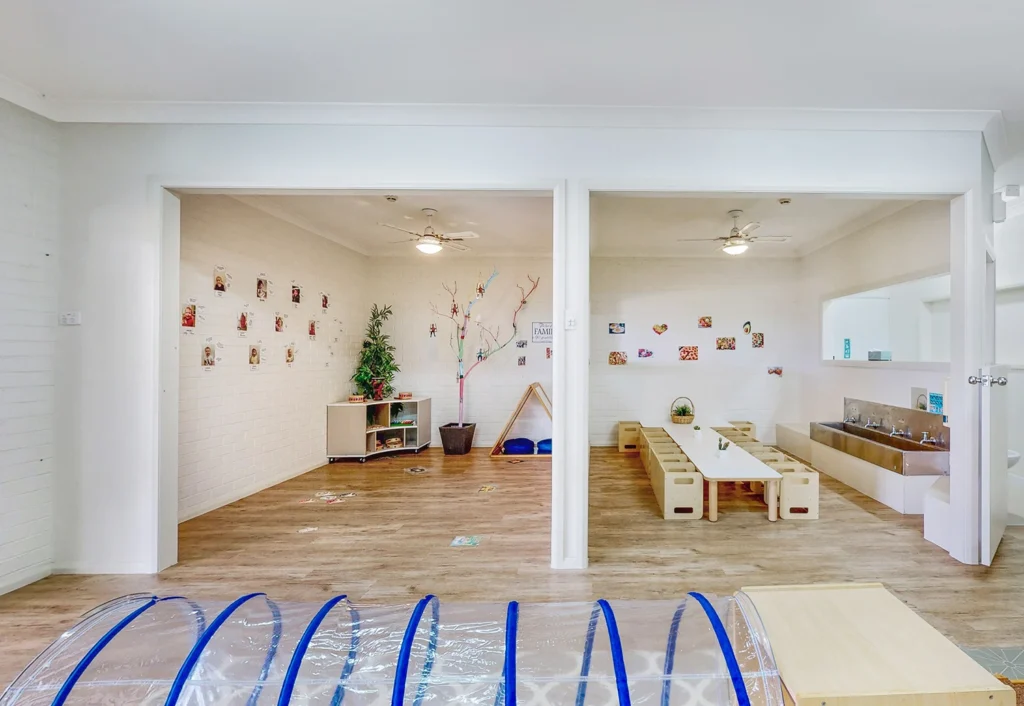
(696, 427)
(682, 410)
(377, 364)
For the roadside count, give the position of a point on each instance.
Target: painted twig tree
(491, 340)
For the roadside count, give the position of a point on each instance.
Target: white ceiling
(650, 225)
(514, 223)
(880, 54)
(509, 222)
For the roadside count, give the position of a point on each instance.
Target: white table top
(702, 448)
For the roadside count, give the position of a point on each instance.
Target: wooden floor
(390, 543)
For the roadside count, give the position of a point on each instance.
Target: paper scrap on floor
(416, 470)
(487, 488)
(307, 530)
(471, 541)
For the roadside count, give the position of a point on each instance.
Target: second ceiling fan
(739, 239)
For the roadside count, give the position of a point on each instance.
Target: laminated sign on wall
(542, 332)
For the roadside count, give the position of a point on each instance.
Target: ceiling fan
(430, 241)
(739, 239)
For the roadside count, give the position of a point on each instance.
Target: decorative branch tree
(490, 339)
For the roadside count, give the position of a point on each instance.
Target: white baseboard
(24, 579)
(96, 569)
(269, 483)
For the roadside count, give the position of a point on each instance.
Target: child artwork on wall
(725, 344)
(644, 353)
(261, 289)
(757, 340)
(619, 328)
(746, 327)
(278, 323)
(520, 344)
(775, 371)
(660, 328)
(312, 329)
(617, 358)
(687, 352)
(325, 301)
(704, 322)
(289, 354)
(547, 353)
(254, 357)
(209, 357)
(433, 330)
(522, 360)
(296, 295)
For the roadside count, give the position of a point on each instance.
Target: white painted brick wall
(29, 234)
(241, 430)
(723, 385)
(428, 364)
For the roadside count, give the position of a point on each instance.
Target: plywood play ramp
(534, 390)
(859, 645)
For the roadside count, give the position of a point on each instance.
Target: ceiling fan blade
(464, 235)
(454, 246)
(402, 230)
(770, 239)
(699, 240)
(403, 242)
(749, 228)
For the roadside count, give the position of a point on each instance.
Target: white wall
(907, 245)
(429, 365)
(723, 385)
(242, 430)
(107, 413)
(29, 234)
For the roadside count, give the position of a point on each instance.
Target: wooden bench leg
(713, 500)
(773, 500)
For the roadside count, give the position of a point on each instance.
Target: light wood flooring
(390, 544)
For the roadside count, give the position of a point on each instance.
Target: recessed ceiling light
(472, 223)
(408, 218)
(785, 201)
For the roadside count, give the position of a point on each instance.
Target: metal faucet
(872, 425)
(851, 420)
(905, 433)
(925, 439)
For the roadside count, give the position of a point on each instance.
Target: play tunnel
(142, 649)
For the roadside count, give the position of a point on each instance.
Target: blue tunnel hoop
(472, 651)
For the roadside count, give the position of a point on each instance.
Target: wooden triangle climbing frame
(534, 390)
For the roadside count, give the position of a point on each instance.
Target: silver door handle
(987, 380)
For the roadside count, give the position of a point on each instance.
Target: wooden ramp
(859, 645)
(535, 390)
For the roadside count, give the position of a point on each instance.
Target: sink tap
(925, 439)
(899, 432)
(872, 425)
(851, 420)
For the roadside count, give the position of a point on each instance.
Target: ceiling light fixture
(734, 247)
(429, 245)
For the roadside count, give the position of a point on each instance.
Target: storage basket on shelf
(681, 418)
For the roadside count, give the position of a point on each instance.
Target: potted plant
(457, 437)
(682, 413)
(375, 374)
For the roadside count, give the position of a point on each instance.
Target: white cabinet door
(994, 483)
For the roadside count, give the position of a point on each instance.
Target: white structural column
(570, 470)
(169, 335)
(970, 231)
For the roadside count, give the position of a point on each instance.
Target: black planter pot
(456, 440)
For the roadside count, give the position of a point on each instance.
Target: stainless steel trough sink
(893, 453)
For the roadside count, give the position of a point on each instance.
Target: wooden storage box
(678, 488)
(748, 428)
(629, 437)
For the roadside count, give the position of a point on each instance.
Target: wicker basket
(677, 419)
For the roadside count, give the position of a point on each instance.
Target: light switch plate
(71, 318)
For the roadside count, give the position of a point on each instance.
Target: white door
(994, 483)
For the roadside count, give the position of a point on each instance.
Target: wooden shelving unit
(354, 428)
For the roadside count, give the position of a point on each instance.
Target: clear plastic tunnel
(141, 649)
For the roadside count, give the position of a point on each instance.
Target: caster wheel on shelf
(362, 460)
(416, 451)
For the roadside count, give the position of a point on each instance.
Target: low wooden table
(733, 465)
